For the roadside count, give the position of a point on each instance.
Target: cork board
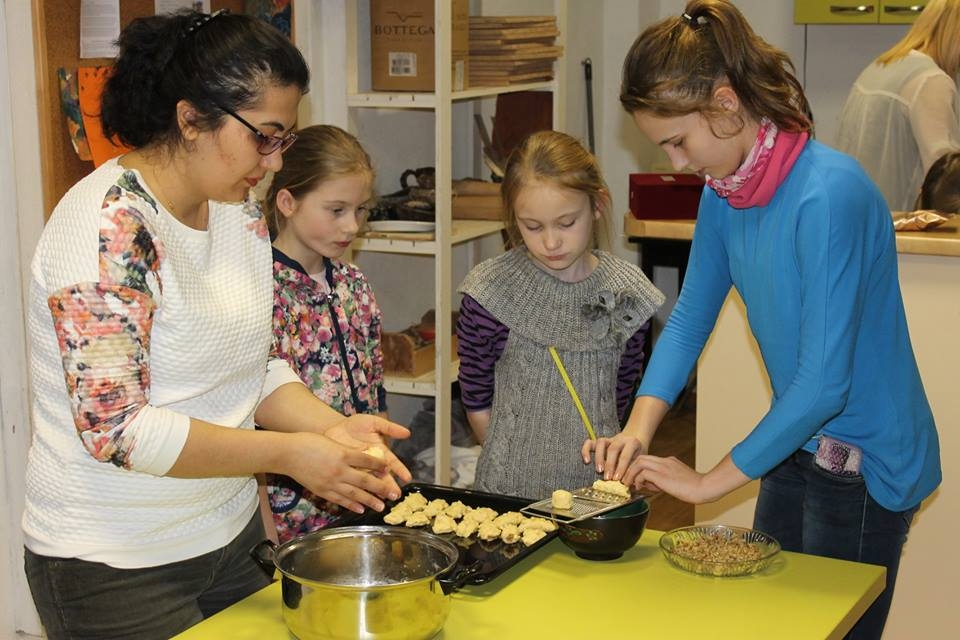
(56, 34)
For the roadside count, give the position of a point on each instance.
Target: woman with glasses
(150, 326)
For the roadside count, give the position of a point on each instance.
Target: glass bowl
(719, 550)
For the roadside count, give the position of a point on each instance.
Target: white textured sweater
(138, 323)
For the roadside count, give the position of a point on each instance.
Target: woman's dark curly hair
(216, 61)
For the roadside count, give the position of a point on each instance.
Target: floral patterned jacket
(329, 332)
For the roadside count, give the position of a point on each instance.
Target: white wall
(21, 218)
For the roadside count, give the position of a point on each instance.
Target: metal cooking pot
(365, 582)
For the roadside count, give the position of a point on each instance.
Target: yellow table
(554, 594)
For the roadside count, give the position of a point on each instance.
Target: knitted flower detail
(613, 315)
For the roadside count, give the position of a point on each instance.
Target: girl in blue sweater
(848, 448)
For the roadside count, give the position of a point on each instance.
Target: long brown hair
(675, 65)
(558, 159)
(935, 32)
(320, 153)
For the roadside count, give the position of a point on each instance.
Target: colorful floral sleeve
(103, 329)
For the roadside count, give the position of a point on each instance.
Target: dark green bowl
(608, 535)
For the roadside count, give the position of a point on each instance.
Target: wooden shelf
(422, 385)
(463, 231)
(408, 100)
(449, 231)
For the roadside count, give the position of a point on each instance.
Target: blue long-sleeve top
(817, 271)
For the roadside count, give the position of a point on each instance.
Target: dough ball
(561, 499)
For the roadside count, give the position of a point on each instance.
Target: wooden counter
(941, 241)
(554, 594)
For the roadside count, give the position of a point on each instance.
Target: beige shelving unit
(448, 232)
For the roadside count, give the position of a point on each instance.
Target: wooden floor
(675, 437)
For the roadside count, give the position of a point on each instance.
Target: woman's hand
(361, 431)
(341, 474)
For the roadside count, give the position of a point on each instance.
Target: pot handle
(264, 553)
(455, 580)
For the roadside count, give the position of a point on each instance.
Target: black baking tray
(480, 561)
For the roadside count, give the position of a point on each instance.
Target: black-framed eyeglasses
(265, 144)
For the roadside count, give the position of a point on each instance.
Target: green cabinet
(854, 12)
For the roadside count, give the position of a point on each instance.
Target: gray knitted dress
(535, 432)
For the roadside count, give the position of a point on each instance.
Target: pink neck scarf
(768, 163)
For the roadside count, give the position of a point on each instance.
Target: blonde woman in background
(902, 112)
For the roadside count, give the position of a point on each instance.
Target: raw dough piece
(615, 487)
(466, 528)
(443, 524)
(510, 534)
(456, 510)
(538, 523)
(532, 536)
(415, 501)
(396, 517)
(417, 519)
(481, 515)
(561, 499)
(488, 531)
(435, 506)
(510, 517)
(398, 514)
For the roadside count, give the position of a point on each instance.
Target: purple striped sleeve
(480, 342)
(631, 369)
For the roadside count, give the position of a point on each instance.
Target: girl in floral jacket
(326, 321)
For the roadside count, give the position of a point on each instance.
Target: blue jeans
(811, 510)
(81, 599)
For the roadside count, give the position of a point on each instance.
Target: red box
(665, 196)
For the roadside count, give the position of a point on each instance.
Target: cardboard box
(402, 44)
(477, 208)
(405, 356)
(665, 196)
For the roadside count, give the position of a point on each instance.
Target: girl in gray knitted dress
(554, 304)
